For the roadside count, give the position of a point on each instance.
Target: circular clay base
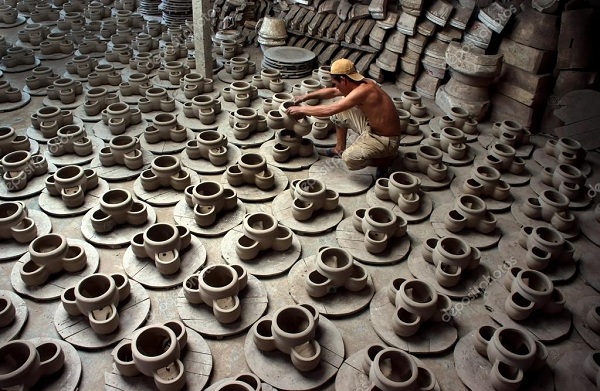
(197, 362)
(580, 309)
(10, 332)
(10, 106)
(222, 382)
(523, 219)
(327, 142)
(337, 302)
(56, 284)
(79, 100)
(545, 160)
(35, 185)
(256, 139)
(103, 132)
(226, 220)
(581, 202)
(54, 205)
(352, 377)
(120, 236)
(38, 136)
(432, 337)
(589, 226)
(470, 236)
(471, 281)
(204, 166)
(473, 369)
(251, 193)
(76, 329)
(145, 272)
(320, 221)
(422, 213)
(116, 64)
(72, 159)
(411, 139)
(276, 368)
(333, 171)
(268, 263)
(568, 373)
(557, 271)
(351, 240)
(589, 267)
(19, 21)
(167, 147)
(37, 92)
(12, 249)
(21, 68)
(491, 204)
(546, 328)
(200, 317)
(226, 77)
(197, 125)
(118, 172)
(294, 163)
(179, 95)
(53, 56)
(67, 379)
(163, 196)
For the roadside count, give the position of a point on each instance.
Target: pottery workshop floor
(356, 329)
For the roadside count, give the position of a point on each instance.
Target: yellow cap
(346, 67)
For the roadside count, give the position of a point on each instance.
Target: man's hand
(296, 112)
(299, 99)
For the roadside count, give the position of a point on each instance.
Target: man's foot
(382, 172)
(330, 152)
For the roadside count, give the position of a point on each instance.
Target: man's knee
(353, 162)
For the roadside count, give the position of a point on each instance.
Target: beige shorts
(368, 145)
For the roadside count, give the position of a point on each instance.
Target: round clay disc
(268, 263)
(411, 139)
(338, 302)
(204, 166)
(580, 309)
(79, 112)
(473, 369)
(75, 76)
(523, 219)
(37, 135)
(334, 172)
(294, 163)
(197, 125)
(351, 240)
(320, 221)
(545, 160)
(54, 205)
(68, 377)
(57, 283)
(53, 56)
(266, 93)
(10, 106)
(163, 196)
(72, 159)
(227, 78)
(589, 226)
(276, 368)
(76, 329)
(251, 193)
(471, 236)
(145, 272)
(120, 236)
(326, 142)
(200, 317)
(20, 68)
(118, 172)
(103, 132)
(226, 220)
(37, 92)
(12, 249)
(10, 332)
(19, 21)
(197, 362)
(431, 338)
(543, 327)
(158, 82)
(132, 99)
(256, 138)
(79, 100)
(128, 71)
(492, 205)
(166, 147)
(422, 213)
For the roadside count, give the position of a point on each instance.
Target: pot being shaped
(565, 178)
(25, 363)
(10, 142)
(261, 231)
(15, 222)
(207, 200)
(470, 212)
(165, 171)
(393, 369)
(565, 150)
(301, 127)
(117, 207)
(164, 244)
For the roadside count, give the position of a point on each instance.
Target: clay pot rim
(547, 236)
(539, 278)
(512, 332)
(123, 198)
(394, 355)
(294, 310)
(477, 204)
(11, 209)
(16, 157)
(25, 365)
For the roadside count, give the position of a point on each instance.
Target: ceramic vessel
(545, 245)
(530, 291)
(165, 171)
(208, 199)
(165, 127)
(25, 363)
(163, 243)
(470, 212)
(427, 160)
(401, 188)
(379, 225)
(485, 182)
(209, 145)
(565, 178)
(71, 183)
(49, 119)
(289, 144)
(511, 133)
(310, 196)
(451, 256)
(19, 167)
(123, 150)
(251, 169)
(70, 139)
(15, 222)
(565, 150)
(392, 369)
(335, 269)
(117, 207)
(552, 207)
(261, 232)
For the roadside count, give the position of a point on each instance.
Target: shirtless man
(364, 108)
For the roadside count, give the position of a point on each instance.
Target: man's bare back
(378, 107)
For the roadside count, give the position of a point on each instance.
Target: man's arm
(349, 101)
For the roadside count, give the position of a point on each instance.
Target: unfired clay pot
(565, 150)
(451, 256)
(163, 243)
(252, 169)
(18, 167)
(24, 363)
(552, 207)
(532, 290)
(118, 207)
(391, 369)
(71, 183)
(379, 225)
(545, 245)
(165, 171)
(310, 196)
(261, 232)
(15, 223)
(470, 212)
(335, 269)
(208, 199)
(485, 182)
(427, 160)
(402, 188)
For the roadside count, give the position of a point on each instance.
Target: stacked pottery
(552, 207)
(503, 158)
(120, 52)
(335, 269)
(124, 151)
(416, 302)
(156, 99)
(251, 169)
(70, 139)
(450, 140)
(485, 182)
(10, 142)
(173, 71)
(392, 369)
(209, 145)
(16, 56)
(241, 93)
(165, 127)
(530, 290)
(203, 107)
(117, 207)
(545, 245)
(137, 84)
(42, 77)
(427, 160)
(470, 212)
(165, 171)
(565, 150)
(269, 79)
(402, 189)
(511, 133)
(143, 63)
(208, 200)
(451, 257)
(15, 223)
(19, 167)
(25, 363)
(565, 178)
(310, 196)
(65, 90)
(262, 232)
(291, 331)
(71, 183)
(240, 67)
(97, 99)
(119, 116)
(289, 144)
(155, 351)
(144, 43)
(50, 254)
(56, 43)
(271, 32)
(8, 14)
(321, 127)
(194, 84)
(8, 93)
(379, 225)
(97, 297)
(218, 287)
(104, 74)
(164, 244)
(33, 33)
